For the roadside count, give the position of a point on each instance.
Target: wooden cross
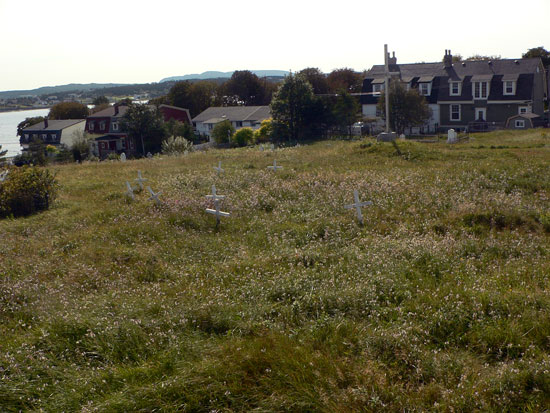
(274, 167)
(4, 175)
(140, 180)
(154, 197)
(357, 205)
(216, 211)
(130, 191)
(214, 195)
(219, 167)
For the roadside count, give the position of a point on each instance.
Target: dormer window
(424, 89)
(455, 88)
(378, 86)
(425, 85)
(91, 125)
(115, 126)
(508, 86)
(481, 90)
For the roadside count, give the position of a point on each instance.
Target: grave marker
(216, 211)
(140, 180)
(149, 155)
(4, 175)
(219, 167)
(214, 195)
(274, 167)
(154, 197)
(130, 191)
(357, 205)
(122, 157)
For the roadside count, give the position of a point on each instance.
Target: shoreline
(20, 109)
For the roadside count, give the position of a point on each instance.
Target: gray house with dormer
(474, 95)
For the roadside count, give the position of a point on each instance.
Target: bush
(34, 155)
(243, 137)
(263, 134)
(222, 132)
(175, 145)
(26, 190)
(81, 147)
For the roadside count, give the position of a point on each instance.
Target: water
(8, 128)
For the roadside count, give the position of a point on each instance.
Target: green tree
(292, 108)
(345, 78)
(81, 146)
(317, 79)
(477, 57)
(34, 155)
(539, 52)
(100, 100)
(223, 132)
(180, 95)
(346, 111)
(68, 110)
(202, 95)
(243, 137)
(263, 134)
(176, 128)
(246, 87)
(144, 124)
(407, 108)
(28, 122)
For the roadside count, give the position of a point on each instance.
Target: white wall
(68, 135)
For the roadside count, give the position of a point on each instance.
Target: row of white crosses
(140, 180)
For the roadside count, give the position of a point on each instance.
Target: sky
(55, 42)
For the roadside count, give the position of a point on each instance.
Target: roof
(53, 125)
(525, 115)
(234, 113)
(109, 112)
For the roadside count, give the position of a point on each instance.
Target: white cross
(274, 167)
(140, 180)
(130, 191)
(214, 195)
(357, 205)
(154, 197)
(4, 175)
(219, 167)
(272, 147)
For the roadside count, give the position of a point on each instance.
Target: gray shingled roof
(235, 113)
(53, 125)
(109, 112)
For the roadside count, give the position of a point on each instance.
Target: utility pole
(387, 135)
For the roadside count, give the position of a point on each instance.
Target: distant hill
(218, 75)
(52, 90)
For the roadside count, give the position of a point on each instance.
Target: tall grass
(439, 302)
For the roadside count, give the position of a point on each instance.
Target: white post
(387, 87)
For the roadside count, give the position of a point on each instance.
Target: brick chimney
(448, 59)
(45, 123)
(392, 60)
(116, 109)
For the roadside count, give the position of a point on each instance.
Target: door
(481, 114)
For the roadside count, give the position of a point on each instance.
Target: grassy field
(440, 302)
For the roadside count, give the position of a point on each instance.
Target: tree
(179, 95)
(202, 95)
(293, 105)
(539, 52)
(145, 126)
(246, 86)
(243, 137)
(68, 110)
(100, 100)
(345, 78)
(263, 134)
(346, 111)
(477, 57)
(28, 122)
(317, 79)
(176, 128)
(81, 147)
(407, 108)
(2, 155)
(223, 131)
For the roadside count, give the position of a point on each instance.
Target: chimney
(392, 60)
(45, 123)
(116, 109)
(448, 59)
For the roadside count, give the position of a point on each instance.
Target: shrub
(175, 145)
(243, 137)
(81, 147)
(263, 134)
(34, 155)
(26, 190)
(113, 156)
(222, 132)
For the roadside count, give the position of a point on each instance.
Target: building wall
(68, 135)
(538, 92)
(171, 113)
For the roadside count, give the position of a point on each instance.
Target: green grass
(439, 302)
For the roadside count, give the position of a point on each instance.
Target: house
(473, 95)
(53, 132)
(239, 116)
(105, 127)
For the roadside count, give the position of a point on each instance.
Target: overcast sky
(54, 42)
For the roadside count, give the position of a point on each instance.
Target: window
(102, 125)
(26, 136)
(520, 123)
(455, 112)
(481, 90)
(238, 124)
(44, 136)
(53, 137)
(424, 89)
(509, 87)
(378, 88)
(91, 125)
(455, 88)
(115, 125)
(524, 109)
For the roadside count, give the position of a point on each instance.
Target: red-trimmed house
(106, 124)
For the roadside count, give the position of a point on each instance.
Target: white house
(239, 116)
(53, 132)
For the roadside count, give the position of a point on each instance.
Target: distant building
(474, 95)
(239, 116)
(53, 132)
